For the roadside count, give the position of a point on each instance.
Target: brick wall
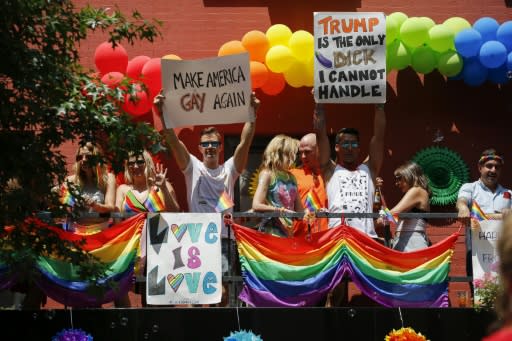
(418, 106)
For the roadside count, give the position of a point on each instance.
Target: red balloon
(135, 65)
(112, 79)
(108, 59)
(152, 76)
(138, 104)
(275, 84)
(259, 74)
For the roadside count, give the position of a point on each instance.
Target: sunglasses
(84, 157)
(398, 178)
(212, 144)
(139, 163)
(347, 145)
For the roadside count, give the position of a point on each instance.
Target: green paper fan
(446, 172)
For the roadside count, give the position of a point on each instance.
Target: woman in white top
(410, 233)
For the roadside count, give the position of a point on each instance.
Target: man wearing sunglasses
(350, 183)
(207, 180)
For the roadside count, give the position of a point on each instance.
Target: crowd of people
(346, 184)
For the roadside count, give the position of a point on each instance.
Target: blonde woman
(277, 187)
(410, 233)
(96, 185)
(146, 188)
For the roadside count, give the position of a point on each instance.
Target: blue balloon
(493, 54)
(509, 61)
(498, 75)
(474, 73)
(468, 42)
(487, 28)
(504, 35)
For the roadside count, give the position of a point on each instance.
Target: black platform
(270, 323)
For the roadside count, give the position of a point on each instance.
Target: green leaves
(47, 99)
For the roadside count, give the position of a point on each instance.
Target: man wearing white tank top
(350, 182)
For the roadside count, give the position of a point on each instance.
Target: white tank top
(352, 192)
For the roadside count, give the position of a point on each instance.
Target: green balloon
(398, 55)
(399, 17)
(392, 30)
(440, 38)
(413, 32)
(423, 60)
(450, 63)
(457, 24)
(428, 22)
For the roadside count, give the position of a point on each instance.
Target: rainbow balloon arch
(458, 50)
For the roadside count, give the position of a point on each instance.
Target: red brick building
(420, 107)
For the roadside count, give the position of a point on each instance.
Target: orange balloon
(256, 43)
(259, 74)
(231, 47)
(171, 57)
(275, 84)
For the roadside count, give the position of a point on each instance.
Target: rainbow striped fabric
(312, 202)
(225, 202)
(389, 216)
(477, 213)
(288, 272)
(65, 197)
(116, 247)
(153, 203)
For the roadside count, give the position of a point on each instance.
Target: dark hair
(210, 131)
(349, 131)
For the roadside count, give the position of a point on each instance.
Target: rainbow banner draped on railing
(295, 271)
(116, 247)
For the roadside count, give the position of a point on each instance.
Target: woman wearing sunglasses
(145, 189)
(95, 185)
(410, 233)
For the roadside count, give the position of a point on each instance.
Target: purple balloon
(493, 54)
(468, 42)
(504, 35)
(487, 28)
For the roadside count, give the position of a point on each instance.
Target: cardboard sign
(350, 57)
(206, 91)
(183, 258)
(484, 253)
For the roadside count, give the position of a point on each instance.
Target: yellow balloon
(278, 34)
(295, 76)
(279, 58)
(302, 45)
(171, 57)
(310, 72)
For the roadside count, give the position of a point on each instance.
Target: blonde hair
(100, 171)
(503, 303)
(413, 175)
(148, 170)
(280, 154)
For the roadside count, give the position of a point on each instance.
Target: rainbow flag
(289, 272)
(116, 247)
(155, 201)
(389, 216)
(477, 213)
(65, 197)
(225, 202)
(312, 202)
